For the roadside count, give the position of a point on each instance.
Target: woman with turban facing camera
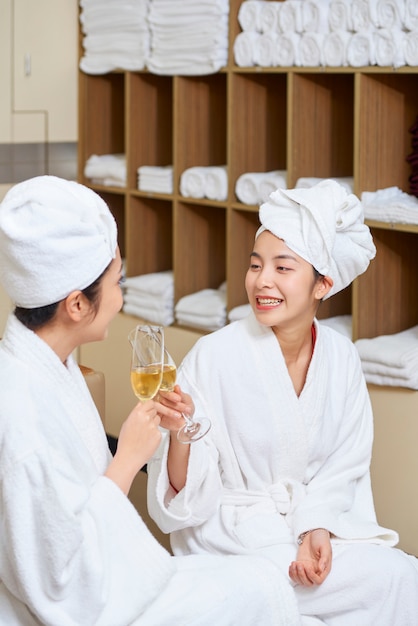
(284, 471)
(73, 549)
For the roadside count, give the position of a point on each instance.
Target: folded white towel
(160, 316)
(398, 350)
(155, 179)
(239, 312)
(206, 302)
(342, 323)
(156, 283)
(411, 15)
(390, 204)
(290, 16)
(255, 187)
(310, 49)
(206, 322)
(411, 47)
(106, 168)
(389, 47)
(387, 13)
(305, 182)
(334, 49)
(339, 15)
(360, 49)
(266, 49)
(249, 15)
(288, 49)
(245, 46)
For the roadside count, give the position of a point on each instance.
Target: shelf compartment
(102, 117)
(386, 106)
(149, 228)
(386, 295)
(149, 136)
(200, 122)
(321, 126)
(116, 204)
(199, 248)
(257, 128)
(242, 226)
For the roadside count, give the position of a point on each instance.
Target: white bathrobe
(73, 550)
(275, 465)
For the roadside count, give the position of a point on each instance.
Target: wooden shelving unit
(310, 121)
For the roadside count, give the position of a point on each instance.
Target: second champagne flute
(193, 429)
(147, 360)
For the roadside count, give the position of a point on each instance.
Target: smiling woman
(284, 472)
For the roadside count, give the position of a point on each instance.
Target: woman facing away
(73, 549)
(284, 471)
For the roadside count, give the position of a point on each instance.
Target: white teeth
(268, 300)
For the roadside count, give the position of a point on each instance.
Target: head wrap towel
(324, 225)
(56, 236)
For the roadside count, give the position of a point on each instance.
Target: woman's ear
(324, 285)
(76, 305)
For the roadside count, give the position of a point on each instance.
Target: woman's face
(280, 285)
(110, 300)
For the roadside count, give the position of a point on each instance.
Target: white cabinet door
(45, 62)
(5, 71)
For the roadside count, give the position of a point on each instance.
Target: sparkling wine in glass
(193, 429)
(147, 344)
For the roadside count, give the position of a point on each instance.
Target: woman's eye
(121, 280)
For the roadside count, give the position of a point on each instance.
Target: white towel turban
(324, 225)
(56, 236)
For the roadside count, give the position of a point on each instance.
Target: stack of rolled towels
(156, 179)
(205, 182)
(150, 297)
(390, 204)
(391, 360)
(115, 35)
(332, 33)
(205, 309)
(255, 187)
(106, 169)
(188, 37)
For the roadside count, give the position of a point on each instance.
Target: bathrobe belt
(281, 497)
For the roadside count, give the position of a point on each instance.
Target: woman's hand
(138, 439)
(314, 558)
(171, 405)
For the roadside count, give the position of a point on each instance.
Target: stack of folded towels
(115, 35)
(390, 205)
(205, 182)
(391, 359)
(204, 309)
(345, 181)
(155, 179)
(188, 37)
(327, 32)
(150, 297)
(106, 169)
(255, 187)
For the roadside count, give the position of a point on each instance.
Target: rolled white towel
(245, 46)
(216, 183)
(288, 49)
(411, 48)
(315, 16)
(339, 15)
(310, 49)
(266, 49)
(255, 187)
(249, 15)
(360, 49)
(389, 48)
(360, 16)
(411, 15)
(334, 49)
(269, 17)
(192, 182)
(387, 13)
(290, 16)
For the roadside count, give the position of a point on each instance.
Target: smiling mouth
(268, 301)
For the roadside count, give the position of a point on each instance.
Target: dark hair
(40, 316)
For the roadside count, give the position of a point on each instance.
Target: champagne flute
(193, 429)
(147, 358)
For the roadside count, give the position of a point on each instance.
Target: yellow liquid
(146, 381)
(169, 378)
